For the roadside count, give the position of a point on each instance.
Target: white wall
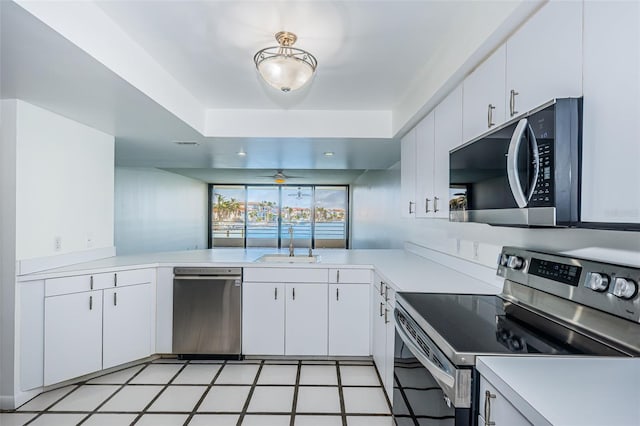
(7, 247)
(64, 185)
(157, 210)
(378, 224)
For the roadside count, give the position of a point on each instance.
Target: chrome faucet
(291, 241)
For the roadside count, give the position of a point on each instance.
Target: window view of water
(262, 216)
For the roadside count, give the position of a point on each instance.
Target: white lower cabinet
(263, 318)
(127, 324)
(383, 332)
(72, 335)
(349, 319)
(495, 409)
(306, 319)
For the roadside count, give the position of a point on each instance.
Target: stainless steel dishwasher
(207, 312)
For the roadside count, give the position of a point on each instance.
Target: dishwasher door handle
(209, 277)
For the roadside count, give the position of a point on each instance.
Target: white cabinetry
(544, 58)
(496, 409)
(408, 174)
(383, 332)
(72, 335)
(423, 157)
(484, 95)
(97, 321)
(263, 318)
(306, 319)
(349, 312)
(611, 171)
(127, 324)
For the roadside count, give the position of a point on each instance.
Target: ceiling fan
(279, 177)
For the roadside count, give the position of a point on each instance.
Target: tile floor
(250, 392)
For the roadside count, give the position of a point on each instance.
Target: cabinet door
(72, 336)
(408, 174)
(424, 166)
(127, 324)
(306, 319)
(263, 306)
(448, 134)
(544, 58)
(483, 88)
(349, 319)
(610, 153)
(498, 409)
(378, 332)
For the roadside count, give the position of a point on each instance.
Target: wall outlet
(57, 243)
(476, 249)
(457, 245)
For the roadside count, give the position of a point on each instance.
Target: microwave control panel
(543, 194)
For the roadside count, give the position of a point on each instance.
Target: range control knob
(503, 260)
(624, 288)
(515, 262)
(598, 281)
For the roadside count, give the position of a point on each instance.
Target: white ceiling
(190, 73)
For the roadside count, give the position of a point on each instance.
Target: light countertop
(568, 391)
(404, 270)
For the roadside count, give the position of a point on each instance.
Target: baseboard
(37, 264)
(467, 267)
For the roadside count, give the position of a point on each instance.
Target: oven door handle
(437, 373)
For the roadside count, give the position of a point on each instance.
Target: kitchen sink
(285, 258)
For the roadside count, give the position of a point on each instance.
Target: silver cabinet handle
(293, 293)
(426, 205)
(411, 204)
(512, 102)
(386, 316)
(91, 283)
(386, 293)
(490, 122)
(382, 285)
(90, 303)
(275, 293)
(435, 204)
(338, 276)
(337, 294)
(381, 306)
(115, 280)
(487, 408)
(115, 299)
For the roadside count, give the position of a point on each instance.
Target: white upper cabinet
(425, 140)
(611, 150)
(484, 95)
(448, 135)
(408, 174)
(544, 58)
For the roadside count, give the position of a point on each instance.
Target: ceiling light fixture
(242, 153)
(328, 154)
(284, 67)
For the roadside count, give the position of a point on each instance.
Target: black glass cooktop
(481, 324)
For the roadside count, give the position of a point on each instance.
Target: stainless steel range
(550, 305)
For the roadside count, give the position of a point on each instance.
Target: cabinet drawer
(347, 275)
(285, 275)
(77, 284)
(133, 277)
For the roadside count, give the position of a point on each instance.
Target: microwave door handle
(535, 163)
(512, 163)
(437, 373)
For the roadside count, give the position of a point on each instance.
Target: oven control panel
(608, 287)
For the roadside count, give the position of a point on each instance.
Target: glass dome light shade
(285, 73)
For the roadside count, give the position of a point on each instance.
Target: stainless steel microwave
(524, 173)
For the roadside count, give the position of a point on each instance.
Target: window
(269, 215)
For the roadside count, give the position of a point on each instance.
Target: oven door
(427, 386)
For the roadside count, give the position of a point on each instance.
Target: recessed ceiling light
(328, 154)
(186, 143)
(241, 153)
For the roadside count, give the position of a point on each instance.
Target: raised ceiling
(154, 72)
